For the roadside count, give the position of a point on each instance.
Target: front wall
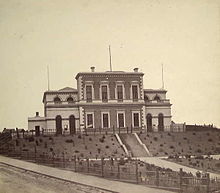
(154, 111)
(64, 113)
(113, 114)
(112, 84)
(32, 124)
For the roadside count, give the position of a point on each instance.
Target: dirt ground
(13, 180)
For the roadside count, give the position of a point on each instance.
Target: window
(121, 121)
(160, 122)
(135, 92)
(136, 119)
(57, 100)
(104, 92)
(157, 98)
(88, 93)
(146, 99)
(149, 122)
(89, 120)
(120, 92)
(70, 100)
(105, 120)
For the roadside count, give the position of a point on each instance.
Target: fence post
(75, 163)
(181, 179)
(131, 129)
(35, 153)
(87, 164)
(136, 170)
(157, 178)
(102, 166)
(118, 170)
(208, 182)
(63, 160)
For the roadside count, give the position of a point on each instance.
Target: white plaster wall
(62, 96)
(32, 124)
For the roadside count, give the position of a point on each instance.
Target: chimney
(92, 69)
(135, 69)
(37, 114)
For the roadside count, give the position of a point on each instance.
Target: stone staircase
(134, 146)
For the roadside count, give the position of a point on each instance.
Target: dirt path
(15, 180)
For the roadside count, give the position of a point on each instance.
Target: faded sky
(70, 36)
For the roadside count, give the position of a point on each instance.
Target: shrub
(51, 149)
(90, 139)
(31, 139)
(106, 146)
(210, 140)
(101, 140)
(155, 138)
(69, 141)
(76, 151)
(171, 147)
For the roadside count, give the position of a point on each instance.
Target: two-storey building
(112, 99)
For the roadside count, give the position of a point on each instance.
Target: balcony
(158, 102)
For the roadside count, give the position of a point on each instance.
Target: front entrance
(58, 125)
(37, 131)
(72, 125)
(160, 122)
(149, 123)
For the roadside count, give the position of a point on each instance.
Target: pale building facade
(112, 99)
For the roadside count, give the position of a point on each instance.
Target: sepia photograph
(110, 96)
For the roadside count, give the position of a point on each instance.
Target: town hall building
(102, 100)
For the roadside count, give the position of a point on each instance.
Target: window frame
(102, 120)
(138, 90)
(120, 112)
(92, 93)
(93, 123)
(139, 119)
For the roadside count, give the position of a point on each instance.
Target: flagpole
(110, 57)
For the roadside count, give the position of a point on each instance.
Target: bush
(31, 139)
(106, 146)
(69, 141)
(101, 140)
(155, 138)
(90, 139)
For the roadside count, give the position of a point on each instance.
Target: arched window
(157, 98)
(57, 100)
(149, 122)
(146, 98)
(58, 124)
(70, 99)
(160, 122)
(72, 124)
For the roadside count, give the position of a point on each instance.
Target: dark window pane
(120, 119)
(89, 121)
(105, 120)
(135, 91)
(136, 119)
(120, 92)
(88, 93)
(104, 93)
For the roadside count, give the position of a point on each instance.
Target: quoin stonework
(102, 100)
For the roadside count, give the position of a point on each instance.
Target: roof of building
(62, 90)
(109, 73)
(155, 90)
